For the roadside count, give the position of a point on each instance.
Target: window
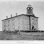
(13, 19)
(28, 8)
(4, 25)
(8, 21)
(4, 22)
(32, 18)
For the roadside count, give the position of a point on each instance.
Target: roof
(29, 5)
(21, 15)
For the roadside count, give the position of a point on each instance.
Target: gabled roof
(21, 15)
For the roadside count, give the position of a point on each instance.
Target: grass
(22, 36)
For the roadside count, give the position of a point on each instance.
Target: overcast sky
(12, 7)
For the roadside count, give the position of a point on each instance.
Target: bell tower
(29, 10)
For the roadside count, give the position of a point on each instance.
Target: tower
(29, 10)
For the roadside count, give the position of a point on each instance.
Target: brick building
(21, 22)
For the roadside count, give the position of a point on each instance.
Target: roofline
(20, 15)
(12, 17)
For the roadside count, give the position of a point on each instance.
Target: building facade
(21, 22)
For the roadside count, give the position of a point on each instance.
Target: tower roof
(29, 5)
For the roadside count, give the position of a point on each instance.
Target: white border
(21, 0)
(21, 41)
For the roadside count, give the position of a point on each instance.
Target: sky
(12, 7)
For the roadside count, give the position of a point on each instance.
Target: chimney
(16, 14)
(11, 15)
(6, 16)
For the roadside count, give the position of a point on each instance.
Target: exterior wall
(17, 23)
(34, 22)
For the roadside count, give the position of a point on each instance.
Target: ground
(22, 36)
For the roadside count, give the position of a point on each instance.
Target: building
(21, 22)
